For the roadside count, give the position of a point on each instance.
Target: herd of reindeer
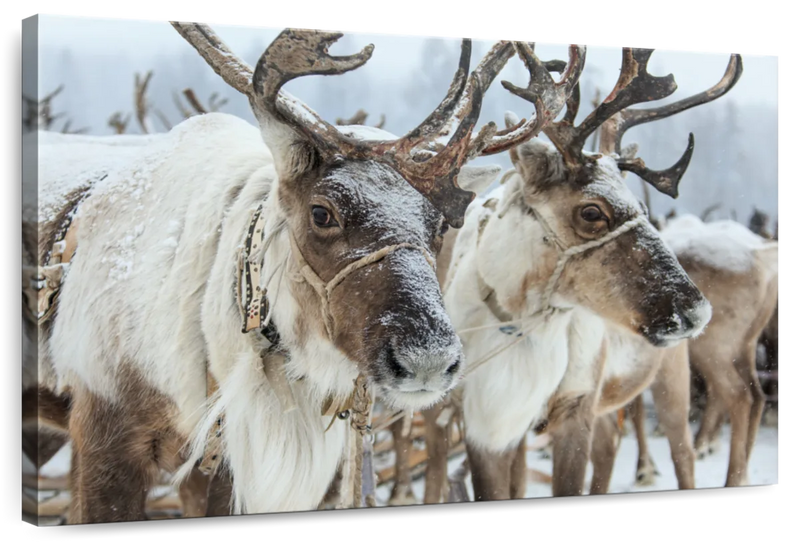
(236, 311)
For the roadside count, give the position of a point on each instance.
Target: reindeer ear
(511, 119)
(538, 163)
(477, 178)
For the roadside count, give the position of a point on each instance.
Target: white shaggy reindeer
(737, 271)
(562, 292)
(228, 290)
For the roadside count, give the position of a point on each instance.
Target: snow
(90, 159)
(710, 472)
(724, 245)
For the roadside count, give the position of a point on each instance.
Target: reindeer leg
(735, 396)
(45, 420)
(746, 366)
(646, 470)
(114, 467)
(401, 492)
(711, 424)
(121, 446)
(571, 420)
(491, 473)
(519, 472)
(672, 398)
(193, 493)
(436, 446)
(605, 441)
(220, 493)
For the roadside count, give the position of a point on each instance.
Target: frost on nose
(697, 318)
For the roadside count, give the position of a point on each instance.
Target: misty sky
(735, 160)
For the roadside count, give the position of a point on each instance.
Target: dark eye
(592, 214)
(322, 217)
(444, 228)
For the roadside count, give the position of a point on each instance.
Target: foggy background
(734, 164)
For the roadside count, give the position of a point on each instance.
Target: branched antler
(141, 106)
(67, 128)
(359, 118)
(214, 103)
(634, 86)
(706, 213)
(39, 113)
(118, 122)
(430, 156)
(547, 96)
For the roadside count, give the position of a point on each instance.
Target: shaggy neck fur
(280, 462)
(506, 395)
(140, 294)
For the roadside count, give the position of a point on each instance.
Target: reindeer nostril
(394, 365)
(454, 367)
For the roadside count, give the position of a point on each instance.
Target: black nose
(394, 365)
(452, 369)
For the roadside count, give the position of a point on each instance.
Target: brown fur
(621, 290)
(119, 447)
(436, 444)
(368, 292)
(726, 357)
(401, 491)
(744, 305)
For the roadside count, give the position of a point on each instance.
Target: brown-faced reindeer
(232, 293)
(730, 329)
(737, 272)
(566, 298)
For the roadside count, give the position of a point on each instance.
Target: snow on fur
(724, 245)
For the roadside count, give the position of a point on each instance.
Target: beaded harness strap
(254, 308)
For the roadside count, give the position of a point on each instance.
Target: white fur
(139, 293)
(152, 287)
(504, 396)
(561, 357)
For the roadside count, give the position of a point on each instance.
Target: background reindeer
(496, 477)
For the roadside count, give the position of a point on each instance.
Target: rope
(324, 290)
(565, 253)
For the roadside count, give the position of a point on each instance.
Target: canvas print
(447, 271)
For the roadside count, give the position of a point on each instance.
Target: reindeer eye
(592, 214)
(322, 217)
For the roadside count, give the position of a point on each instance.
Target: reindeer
(566, 298)
(45, 413)
(737, 271)
(231, 293)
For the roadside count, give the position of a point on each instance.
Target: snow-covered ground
(709, 472)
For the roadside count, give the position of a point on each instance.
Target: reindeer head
(366, 211)
(618, 265)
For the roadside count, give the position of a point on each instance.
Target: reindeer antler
(547, 96)
(429, 157)
(358, 118)
(636, 85)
